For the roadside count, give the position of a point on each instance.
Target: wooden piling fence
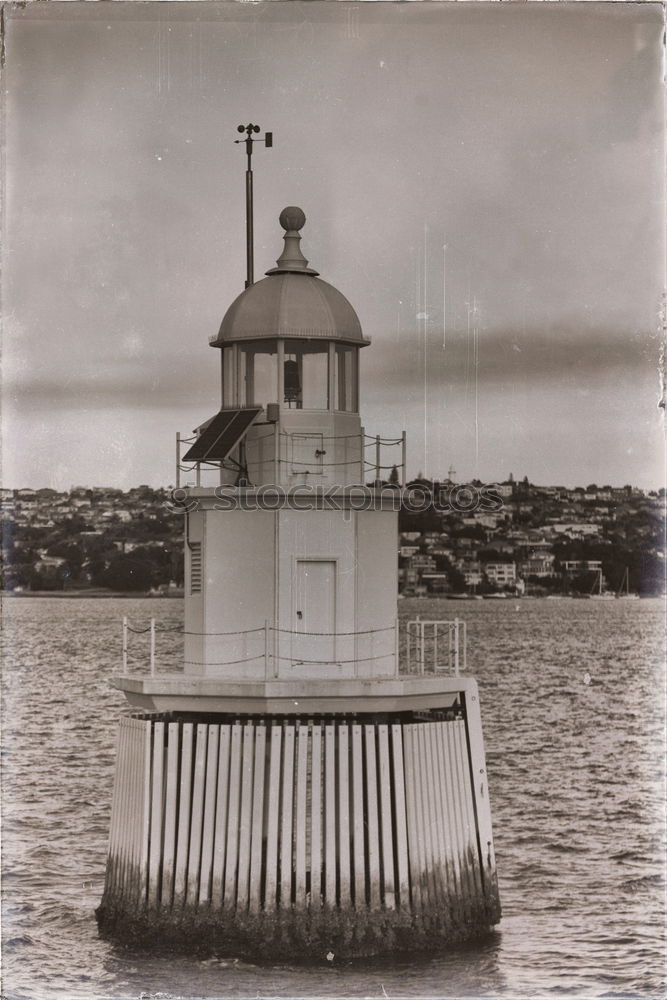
(296, 815)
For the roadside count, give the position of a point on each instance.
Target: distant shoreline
(140, 595)
(89, 594)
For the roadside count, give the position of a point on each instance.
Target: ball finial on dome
(292, 218)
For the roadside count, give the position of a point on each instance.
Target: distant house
(573, 567)
(577, 529)
(501, 574)
(442, 550)
(497, 545)
(489, 520)
(538, 565)
(505, 490)
(471, 572)
(49, 562)
(422, 561)
(436, 582)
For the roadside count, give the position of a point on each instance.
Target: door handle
(299, 615)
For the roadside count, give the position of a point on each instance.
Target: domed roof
(291, 301)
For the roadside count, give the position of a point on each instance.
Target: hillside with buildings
(541, 540)
(98, 539)
(536, 540)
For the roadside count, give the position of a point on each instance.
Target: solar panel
(221, 435)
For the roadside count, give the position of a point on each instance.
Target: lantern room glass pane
(346, 379)
(242, 392)
(260, 372)
(306, 377)
(228, 393)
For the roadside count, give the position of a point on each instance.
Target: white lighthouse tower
(285, 546)
(313, 782)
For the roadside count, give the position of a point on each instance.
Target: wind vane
(250, 129)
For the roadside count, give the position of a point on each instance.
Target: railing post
(178, 459)
(198, 479)
(377, 458)
(362, 455)
(124, 644)
(371, 658)
(423, 648)
(456, 647)
(404, 475)
(152, 647)
(397, 649)
(465, 646)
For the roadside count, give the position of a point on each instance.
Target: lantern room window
(228, 377)
(250, 373)
(261, 372)
(306, 376)
(346, 379)
(316, 374)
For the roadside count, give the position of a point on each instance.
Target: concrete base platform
(183, 693)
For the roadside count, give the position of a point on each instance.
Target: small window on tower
(195, 567)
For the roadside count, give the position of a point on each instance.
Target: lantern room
(289, 348)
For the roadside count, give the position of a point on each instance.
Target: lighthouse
(313, 782)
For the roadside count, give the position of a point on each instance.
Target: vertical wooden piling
(156, 818)
(273, 818)
(287, 812)
(344, 894)
(316, 816)
(330, 842)
(257, 831)
(170, 815)
(245, 821)
(233, 813)
(300, 817)
(374, 875)
(208, 827)
(221, 810)
(196, 816)
(389, 887)
(357, 760)
(145, 763)
(184, 803)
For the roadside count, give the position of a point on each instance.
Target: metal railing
(418, 647)
(435, 646)
(375, 462)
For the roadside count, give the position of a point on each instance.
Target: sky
(483, 182)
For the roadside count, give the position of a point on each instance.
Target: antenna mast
(250, 129)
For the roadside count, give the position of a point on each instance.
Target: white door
(315, 611)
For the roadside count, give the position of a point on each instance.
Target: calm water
(572, 701)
